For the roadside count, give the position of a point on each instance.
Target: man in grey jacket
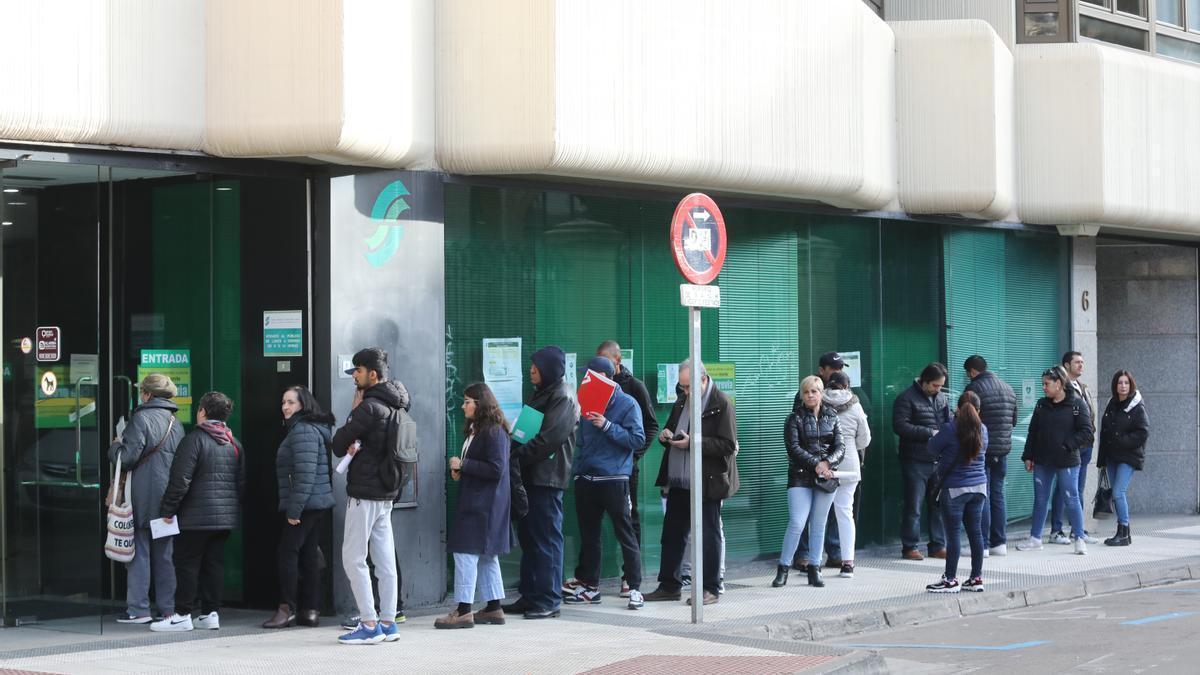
(146, 450)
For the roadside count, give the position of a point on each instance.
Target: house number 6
(1085, 302)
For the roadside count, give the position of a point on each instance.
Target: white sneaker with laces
(1001, 550)
(1060, 537)
(1080, 546)
(687, 585)
(209, 621)
(1030, 544)
(1087, 538)
(635, 599)
(986, 553)
(172, 624)
(624, 588)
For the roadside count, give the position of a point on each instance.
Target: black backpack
(400, 448)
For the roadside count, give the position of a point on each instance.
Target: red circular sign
(698, 238)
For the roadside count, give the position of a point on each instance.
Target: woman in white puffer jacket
(856, 435)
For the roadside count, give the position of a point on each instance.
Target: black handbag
(827, 484)
(933, 486)
(1103, 508)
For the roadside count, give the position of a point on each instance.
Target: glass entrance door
(53, 571)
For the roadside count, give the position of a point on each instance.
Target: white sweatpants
(370, 522)
(843, 510)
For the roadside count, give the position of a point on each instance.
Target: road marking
(1171, 590)
(1160, 617)
(981, 648)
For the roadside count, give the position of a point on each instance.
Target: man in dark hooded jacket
(545, 470)
(368, 522)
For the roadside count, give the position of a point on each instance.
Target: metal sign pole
(695, 396)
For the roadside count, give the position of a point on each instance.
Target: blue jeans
(806, 506)
(916, 474)
(1119, 476)
(150, 556)
(1045, 476)
(469, 567)
(1056, 511)
(541, 537)
(963, 510)
(995, 512)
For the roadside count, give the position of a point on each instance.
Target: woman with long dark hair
(812, 435)
(481, 530)
(1060, 428)
(305, 499)
(960, 446)
(1124, 431)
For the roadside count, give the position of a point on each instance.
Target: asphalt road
(1148, 630)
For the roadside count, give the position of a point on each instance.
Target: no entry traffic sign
(698, 238)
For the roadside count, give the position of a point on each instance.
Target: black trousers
(199, 570)
(300, 561)
(594, 499)
(633, 503)
(677, 524)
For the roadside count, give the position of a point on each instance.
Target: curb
(854, 663)
(912, 613)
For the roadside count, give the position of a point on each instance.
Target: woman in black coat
(305, 499)
(1124, 430)
(481, 522)
(813, 437)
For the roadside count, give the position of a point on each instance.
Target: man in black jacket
(999, 415)
(917, 415)
(545, 471)
(718, 424)
(634, 387)
(208, 479)
(368, 521)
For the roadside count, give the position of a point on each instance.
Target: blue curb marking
(1154, 619)
(977, 648)
(1171, 590)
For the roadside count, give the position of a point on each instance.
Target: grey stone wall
(1147, 324)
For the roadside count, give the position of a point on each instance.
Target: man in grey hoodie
(146, 450)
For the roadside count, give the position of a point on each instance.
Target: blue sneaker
(363, 636)
(390, 632)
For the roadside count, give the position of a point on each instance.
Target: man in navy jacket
(603, 462)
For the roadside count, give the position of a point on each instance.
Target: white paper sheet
(159, 528)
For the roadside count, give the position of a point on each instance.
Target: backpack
(400, 448)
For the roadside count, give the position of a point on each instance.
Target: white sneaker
(635, 599)
(208, 622)
(1030, 544)
(172, 624)
(687, 585)
(1087, 538)
(986, 553)
(1060, 537)
(1080, 546)
(1001, 550)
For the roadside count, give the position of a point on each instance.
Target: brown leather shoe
(308, 617)
(282, 619)
(660, 595)
(495, 618)
(709, 599)
(455, 620)
(913, 554)
(941, 555)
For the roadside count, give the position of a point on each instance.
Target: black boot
(814, 576)
(781, 572)
(1121, 538)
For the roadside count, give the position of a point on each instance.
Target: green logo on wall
(384, 243)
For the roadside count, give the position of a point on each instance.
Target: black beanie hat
(551, 362)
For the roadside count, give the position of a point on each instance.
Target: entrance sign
(177, 365)
(49, 343)
(698, 238)
(699, 243)
(283, 333)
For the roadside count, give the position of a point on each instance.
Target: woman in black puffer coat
(1124, 431)
(305, 499)
(813, 437)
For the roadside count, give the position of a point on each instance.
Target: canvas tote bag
(118, 545)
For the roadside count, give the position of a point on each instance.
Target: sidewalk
(754, 629)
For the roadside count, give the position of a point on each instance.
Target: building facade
(903, 181)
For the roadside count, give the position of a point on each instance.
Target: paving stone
(824, 628)
(1055, 593)
(790, 630)
(1164, 575)
(1112, 584)
(922, 613)
(980, 603)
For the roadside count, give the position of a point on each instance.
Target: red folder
(595, 391)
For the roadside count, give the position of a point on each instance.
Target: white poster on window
(572, 375)
(502, 373)
(853, 369)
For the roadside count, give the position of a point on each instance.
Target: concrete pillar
(1083, 303)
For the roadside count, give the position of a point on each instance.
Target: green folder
(528, 424)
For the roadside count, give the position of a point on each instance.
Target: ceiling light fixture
(11, 190)
(7, 222)
(224, 189)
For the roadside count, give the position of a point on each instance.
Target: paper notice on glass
(160, 528)
(627, 360)
(501, 359)
(853, 369)
(668, 378)
(508, 395)
(572, 375)
(121, 428)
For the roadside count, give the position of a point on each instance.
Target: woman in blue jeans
(813, 438)
(1060, 428)
(1123, 434)
(960, 446)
